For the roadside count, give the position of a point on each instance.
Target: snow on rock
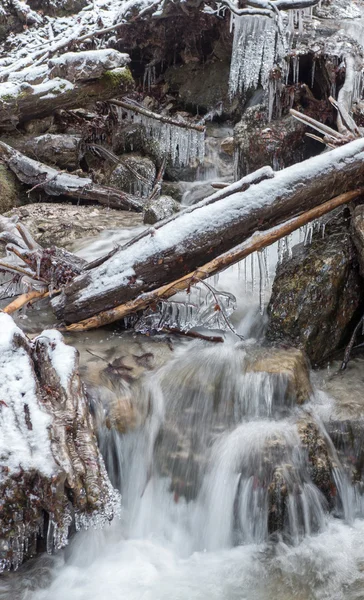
(51, 471)
(90, 64)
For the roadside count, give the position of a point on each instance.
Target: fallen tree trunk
(182, 245)
(22, 102)
(257, 242)
(58, 183)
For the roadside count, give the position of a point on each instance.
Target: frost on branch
(51, 471)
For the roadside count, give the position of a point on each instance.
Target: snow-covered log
(58, 183)
(71, 81)
(189, 241)
(51, 471)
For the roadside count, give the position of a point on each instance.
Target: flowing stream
(219, 497)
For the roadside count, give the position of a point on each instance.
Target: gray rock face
(159, 208)
(315, 296)
(52, 149)
(90, 64)
(134, 175)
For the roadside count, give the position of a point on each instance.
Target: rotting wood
(38, 101)
(58, 183)
(257, 242)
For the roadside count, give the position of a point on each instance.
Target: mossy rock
(9, 190)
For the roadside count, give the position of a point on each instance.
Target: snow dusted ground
(43, 35)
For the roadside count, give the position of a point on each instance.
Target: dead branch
(20, 301)
(128, 105)
(257, 242)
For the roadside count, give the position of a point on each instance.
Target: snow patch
(24, 424)
(62, 356)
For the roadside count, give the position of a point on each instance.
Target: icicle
(308, 234)
(149, 78)
(182, 144)
(266, 268)
(257, 46)
(184, 315)
(313, 72)
(261, 281)
(252, 271)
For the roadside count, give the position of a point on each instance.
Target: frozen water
(181, 145)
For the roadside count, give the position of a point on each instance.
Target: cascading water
(219, 495)
(231, 487)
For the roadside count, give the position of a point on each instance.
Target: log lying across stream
(183, 244)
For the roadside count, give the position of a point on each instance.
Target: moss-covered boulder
(9, 189)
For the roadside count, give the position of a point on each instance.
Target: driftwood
(180, 246)
(58, 183)
(257, 242)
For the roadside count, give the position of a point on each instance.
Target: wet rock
(9, 189)
(135, 175)
(227, 146)
(320, 459)
(316, 295)
(52, 473)
(60, 150)
(132, 137)
(159, 208)
(280, 143)
(89, 64)
(61, 224)
(290, 365)
(357, 223)
(174, 189)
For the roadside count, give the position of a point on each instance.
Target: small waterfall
(221, 453)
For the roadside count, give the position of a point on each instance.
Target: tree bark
(57, 183)
(257, 242)
(37, 101)
(182, 245)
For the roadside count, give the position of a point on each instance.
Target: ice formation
(203, 306)
(181, 145)
(258, 46)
